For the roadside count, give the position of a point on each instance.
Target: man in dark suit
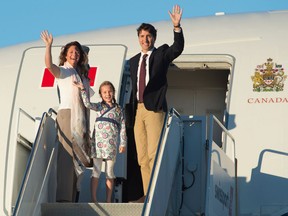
(149, 105)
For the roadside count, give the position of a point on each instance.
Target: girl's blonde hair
(113, 89)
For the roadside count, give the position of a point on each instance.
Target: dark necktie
(142, 82)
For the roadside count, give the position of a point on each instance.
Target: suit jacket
(154, 96)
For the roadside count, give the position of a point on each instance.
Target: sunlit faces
(107, 94)
(146, 40)
(73, 55)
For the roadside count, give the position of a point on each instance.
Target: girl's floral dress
(109, 129)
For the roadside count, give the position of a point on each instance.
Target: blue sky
(23, 20)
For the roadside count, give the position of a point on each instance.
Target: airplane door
(36, 93)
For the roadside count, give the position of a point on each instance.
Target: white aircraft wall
(259, 128)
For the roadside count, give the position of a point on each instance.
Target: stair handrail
(22, 111)
(30, 163)
(224, 146)
(166, 125)
(52, 160)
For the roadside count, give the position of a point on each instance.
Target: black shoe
(77, 196)
(140, 200)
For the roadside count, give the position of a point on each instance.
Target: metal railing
(169, 161)
(22, 138)
(158, 192)
(34, 188)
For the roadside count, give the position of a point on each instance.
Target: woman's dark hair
(147, 27)
(82, 64)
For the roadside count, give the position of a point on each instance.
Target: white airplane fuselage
(233, 66)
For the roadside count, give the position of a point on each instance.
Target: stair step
(91, 209)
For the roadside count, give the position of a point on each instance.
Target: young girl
(109, 130)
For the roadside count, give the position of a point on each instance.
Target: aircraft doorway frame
(194, 77)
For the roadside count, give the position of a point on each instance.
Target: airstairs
(192, 174)
(91, 209)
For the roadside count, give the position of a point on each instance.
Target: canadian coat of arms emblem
(268, 77)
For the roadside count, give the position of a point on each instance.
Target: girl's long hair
(113, 88)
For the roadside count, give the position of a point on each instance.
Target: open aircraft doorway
(199, 86)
